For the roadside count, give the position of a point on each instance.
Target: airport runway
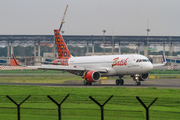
(159, 83)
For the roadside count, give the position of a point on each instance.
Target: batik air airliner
(92, 68)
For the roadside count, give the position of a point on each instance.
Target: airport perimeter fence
(83, 107)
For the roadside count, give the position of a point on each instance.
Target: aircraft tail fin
(15, 62)
(62, 49)
(164, 59)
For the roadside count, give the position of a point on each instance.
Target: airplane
(92, 68)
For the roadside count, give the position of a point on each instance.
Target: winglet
(164, 59)
(162, 64)
(17, 64)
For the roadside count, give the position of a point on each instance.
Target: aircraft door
(103, 63)
(129, 62)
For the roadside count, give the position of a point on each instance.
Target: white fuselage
(115, 64)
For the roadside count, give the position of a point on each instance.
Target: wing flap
(59, 67)
(48, 63)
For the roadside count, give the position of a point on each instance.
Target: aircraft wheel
(121, 82)
(89, 83)
(117, 82)
(138, 83)
(85, 83)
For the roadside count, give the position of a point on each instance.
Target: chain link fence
(81, 107)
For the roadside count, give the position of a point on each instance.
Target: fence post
(147, 108)
(59, 105)
(18, 105)
(101, 106)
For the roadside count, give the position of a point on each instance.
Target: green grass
(123, 105)
(78, 106)
(30, 72)
(165, 72)
(118, 91)
(39, 79)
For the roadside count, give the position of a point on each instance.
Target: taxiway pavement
(159, 83)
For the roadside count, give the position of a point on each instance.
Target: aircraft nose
(149, 66)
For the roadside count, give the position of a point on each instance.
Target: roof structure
(31, 40)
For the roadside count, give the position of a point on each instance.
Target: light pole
(148, 30)
(147, 44)
(104, 42)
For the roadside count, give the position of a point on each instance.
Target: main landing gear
(120, 81)
(136, 78)
(87, 83)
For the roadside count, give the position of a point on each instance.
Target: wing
(168, 68)
(67, 68)
(48, 63)
(162, 64)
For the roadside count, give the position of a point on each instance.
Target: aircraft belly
(124, 70)
(87, 66)
(121, 70)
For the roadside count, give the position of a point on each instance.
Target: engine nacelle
(92, 76)
(143, 77)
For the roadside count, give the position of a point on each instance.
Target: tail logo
(63, 52)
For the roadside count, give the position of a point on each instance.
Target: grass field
(78, 103)
(78, 106)
(123, 105)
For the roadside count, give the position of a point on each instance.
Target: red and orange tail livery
(63, 52)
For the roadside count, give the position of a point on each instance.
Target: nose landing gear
(136, 78)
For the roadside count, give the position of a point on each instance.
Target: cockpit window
(144, 60)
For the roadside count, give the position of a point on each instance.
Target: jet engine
(143, 77)
(92, 76)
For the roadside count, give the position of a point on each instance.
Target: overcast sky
(90, 17)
